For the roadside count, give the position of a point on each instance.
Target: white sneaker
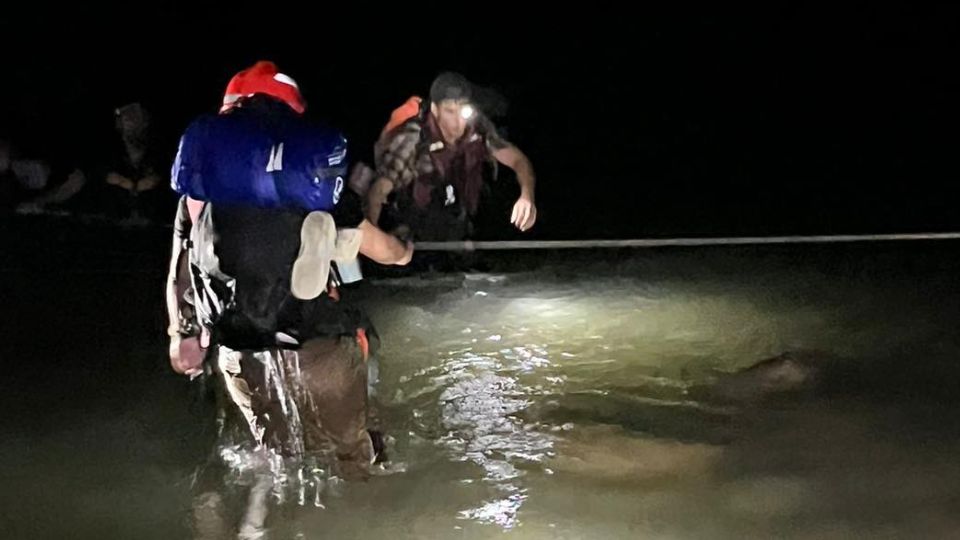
(311, 270)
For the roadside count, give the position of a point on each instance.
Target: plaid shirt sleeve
(395, 156)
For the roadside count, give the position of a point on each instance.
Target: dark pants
(310, 400)
(294, 402)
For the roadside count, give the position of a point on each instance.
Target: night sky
(766, 121)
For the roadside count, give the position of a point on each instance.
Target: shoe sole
(311, 270)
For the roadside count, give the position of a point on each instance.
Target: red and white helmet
(263, 78)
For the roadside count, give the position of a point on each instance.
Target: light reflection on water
(557, 404)
(519, 376)
(480, 407)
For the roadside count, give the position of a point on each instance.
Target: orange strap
(364, 343)
(401, 114)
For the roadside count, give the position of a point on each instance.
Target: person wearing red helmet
(263, 78)
(262, 228)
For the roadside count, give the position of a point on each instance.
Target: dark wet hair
(450, 85)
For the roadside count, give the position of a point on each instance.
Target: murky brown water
(549, 403)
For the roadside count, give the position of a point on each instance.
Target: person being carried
(262, 226)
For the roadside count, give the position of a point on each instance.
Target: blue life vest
(276, 162)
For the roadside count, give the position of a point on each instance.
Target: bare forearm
(526, 178)
(512, 157)
(382, 247)
(148, 182)
(74, 183)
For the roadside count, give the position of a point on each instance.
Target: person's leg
(335, 376)
(257, 382)
(254, 382)
(209, 516)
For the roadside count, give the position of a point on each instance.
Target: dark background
(762, 121)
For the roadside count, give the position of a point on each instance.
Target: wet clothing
(314, 398)
(241, 261)
(268, 344)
